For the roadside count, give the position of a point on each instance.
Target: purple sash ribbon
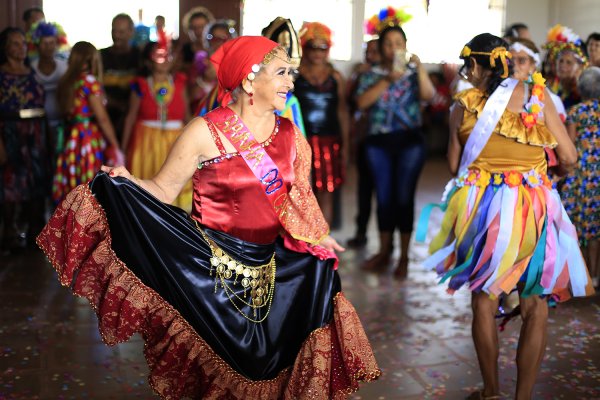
(254, 155)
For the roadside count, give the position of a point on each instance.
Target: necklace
(163, 94)
(532, 110)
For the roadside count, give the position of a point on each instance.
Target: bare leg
(325, 200)
(380, 260)
(485, 338)
(402, 267)
(532, 344)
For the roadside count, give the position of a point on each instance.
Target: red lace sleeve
(302, 217)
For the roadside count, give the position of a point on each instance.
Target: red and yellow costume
(152, 137)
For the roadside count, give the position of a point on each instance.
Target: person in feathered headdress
(565, 60)
(391, 93)
(158, 110)
(387, 17)
(320, 88)
(41, 29)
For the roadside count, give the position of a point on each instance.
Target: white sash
(487, 121)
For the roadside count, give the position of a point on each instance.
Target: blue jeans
(395, 162)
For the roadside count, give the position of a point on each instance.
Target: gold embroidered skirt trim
(329, 365)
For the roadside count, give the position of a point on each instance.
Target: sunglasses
(464, 72)
(323, 47)
(521, 60)
(219, 38)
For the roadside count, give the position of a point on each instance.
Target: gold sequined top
(512, 146)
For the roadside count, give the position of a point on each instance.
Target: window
(91, 20)
(435, 35)
(440, 34)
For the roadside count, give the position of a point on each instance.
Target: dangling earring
(251, 99)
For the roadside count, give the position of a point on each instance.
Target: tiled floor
(50, 348)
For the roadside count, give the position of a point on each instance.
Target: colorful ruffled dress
(504, 223)
(234, 302)
(159, 123)
(580, 190)
(83, 151)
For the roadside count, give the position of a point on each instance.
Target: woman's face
(372, 53)
(196, 28)
(593, 49)
(316, 51)
(162, 61)
(47, 46)
(16, 48)
(392, 41)
(523, 65)
(219, 35)
(567, 66)
(274, 81)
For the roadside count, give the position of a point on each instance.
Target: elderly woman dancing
(242, 299)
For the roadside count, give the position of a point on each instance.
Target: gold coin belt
(258, 280)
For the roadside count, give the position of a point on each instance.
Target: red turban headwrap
(233, 62)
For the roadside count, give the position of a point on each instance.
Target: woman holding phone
(391, 94)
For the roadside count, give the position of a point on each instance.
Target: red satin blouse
(229, 198)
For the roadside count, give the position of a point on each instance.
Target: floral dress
(82, 155)
(25, 174)
(581, 189)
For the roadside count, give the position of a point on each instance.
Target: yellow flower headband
(498, 52)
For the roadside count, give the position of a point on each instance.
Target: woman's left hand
(415, 60)
(330, 244)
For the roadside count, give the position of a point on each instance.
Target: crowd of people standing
(129, 110)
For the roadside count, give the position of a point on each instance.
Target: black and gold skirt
(221, 317)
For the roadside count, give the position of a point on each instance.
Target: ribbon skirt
(494, 237)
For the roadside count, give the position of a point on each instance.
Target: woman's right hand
(113, 172)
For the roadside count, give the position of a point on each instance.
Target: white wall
(533, 13)
(582, 16)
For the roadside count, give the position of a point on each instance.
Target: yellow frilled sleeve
(301, 216)
(510, 124)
